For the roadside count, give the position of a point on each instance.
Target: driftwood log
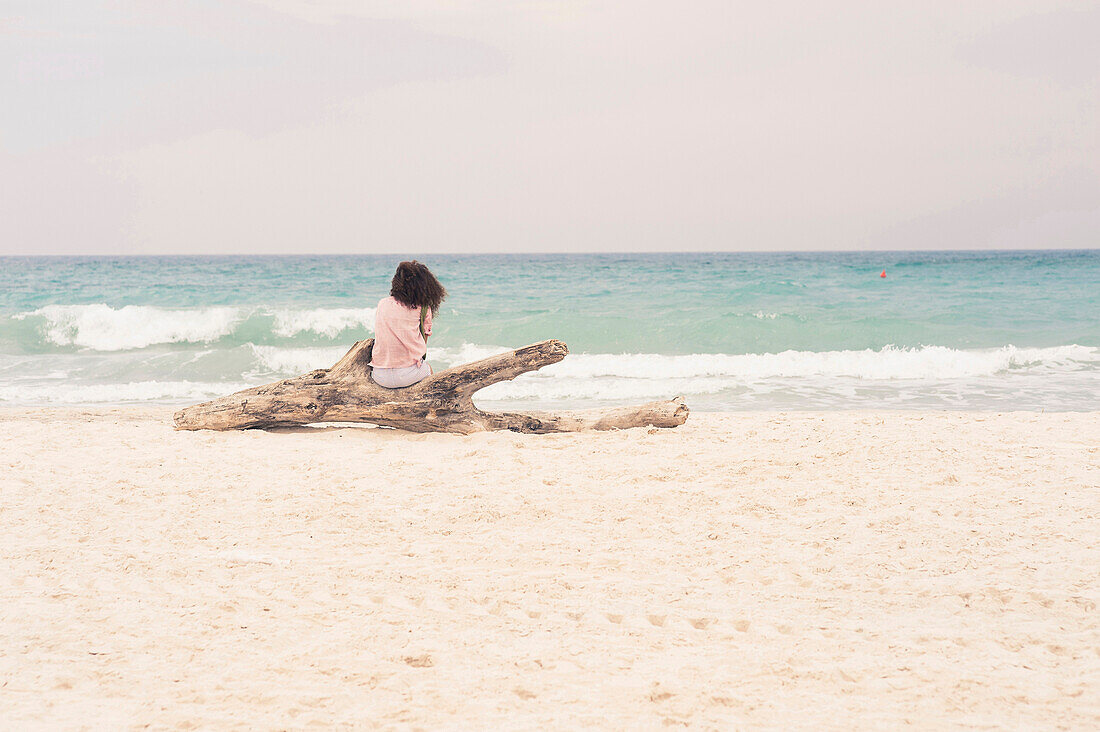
(440, 403)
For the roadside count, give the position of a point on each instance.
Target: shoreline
(838, 568)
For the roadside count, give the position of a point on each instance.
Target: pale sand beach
(829, 570)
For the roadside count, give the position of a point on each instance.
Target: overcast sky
(300, 126)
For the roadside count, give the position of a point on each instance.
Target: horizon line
(545, 253)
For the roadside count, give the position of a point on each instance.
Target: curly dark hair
(414, 285)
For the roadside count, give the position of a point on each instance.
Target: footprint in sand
(424, 660)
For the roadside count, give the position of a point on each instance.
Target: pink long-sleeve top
(397, 339)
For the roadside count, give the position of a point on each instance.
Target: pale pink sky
(302, 126)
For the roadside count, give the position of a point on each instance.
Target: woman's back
(398, 341)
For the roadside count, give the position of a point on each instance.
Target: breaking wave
(100, 327)
(610, 377)
(925, 362)
(103, 328)
(292, 361)
(633, 376)
(1061, 376)
(329, 322)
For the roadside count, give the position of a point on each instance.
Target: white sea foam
(465, 353)
(103, 328)
(926, 362)
(329, 322)
(1064, 376)
(607, 389)
(631, 376)
(140, 391)
(293, 361)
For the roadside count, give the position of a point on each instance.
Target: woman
(402, 324)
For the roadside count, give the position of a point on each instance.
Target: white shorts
(398, 378)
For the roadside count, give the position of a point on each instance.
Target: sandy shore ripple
(812, 570)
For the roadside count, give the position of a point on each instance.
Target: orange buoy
(883, 273)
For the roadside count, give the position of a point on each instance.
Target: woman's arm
(425, 322)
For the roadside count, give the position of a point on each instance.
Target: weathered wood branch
(442, 402)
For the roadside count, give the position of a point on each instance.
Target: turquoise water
(965, 330)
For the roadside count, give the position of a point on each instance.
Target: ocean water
(728, 331)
